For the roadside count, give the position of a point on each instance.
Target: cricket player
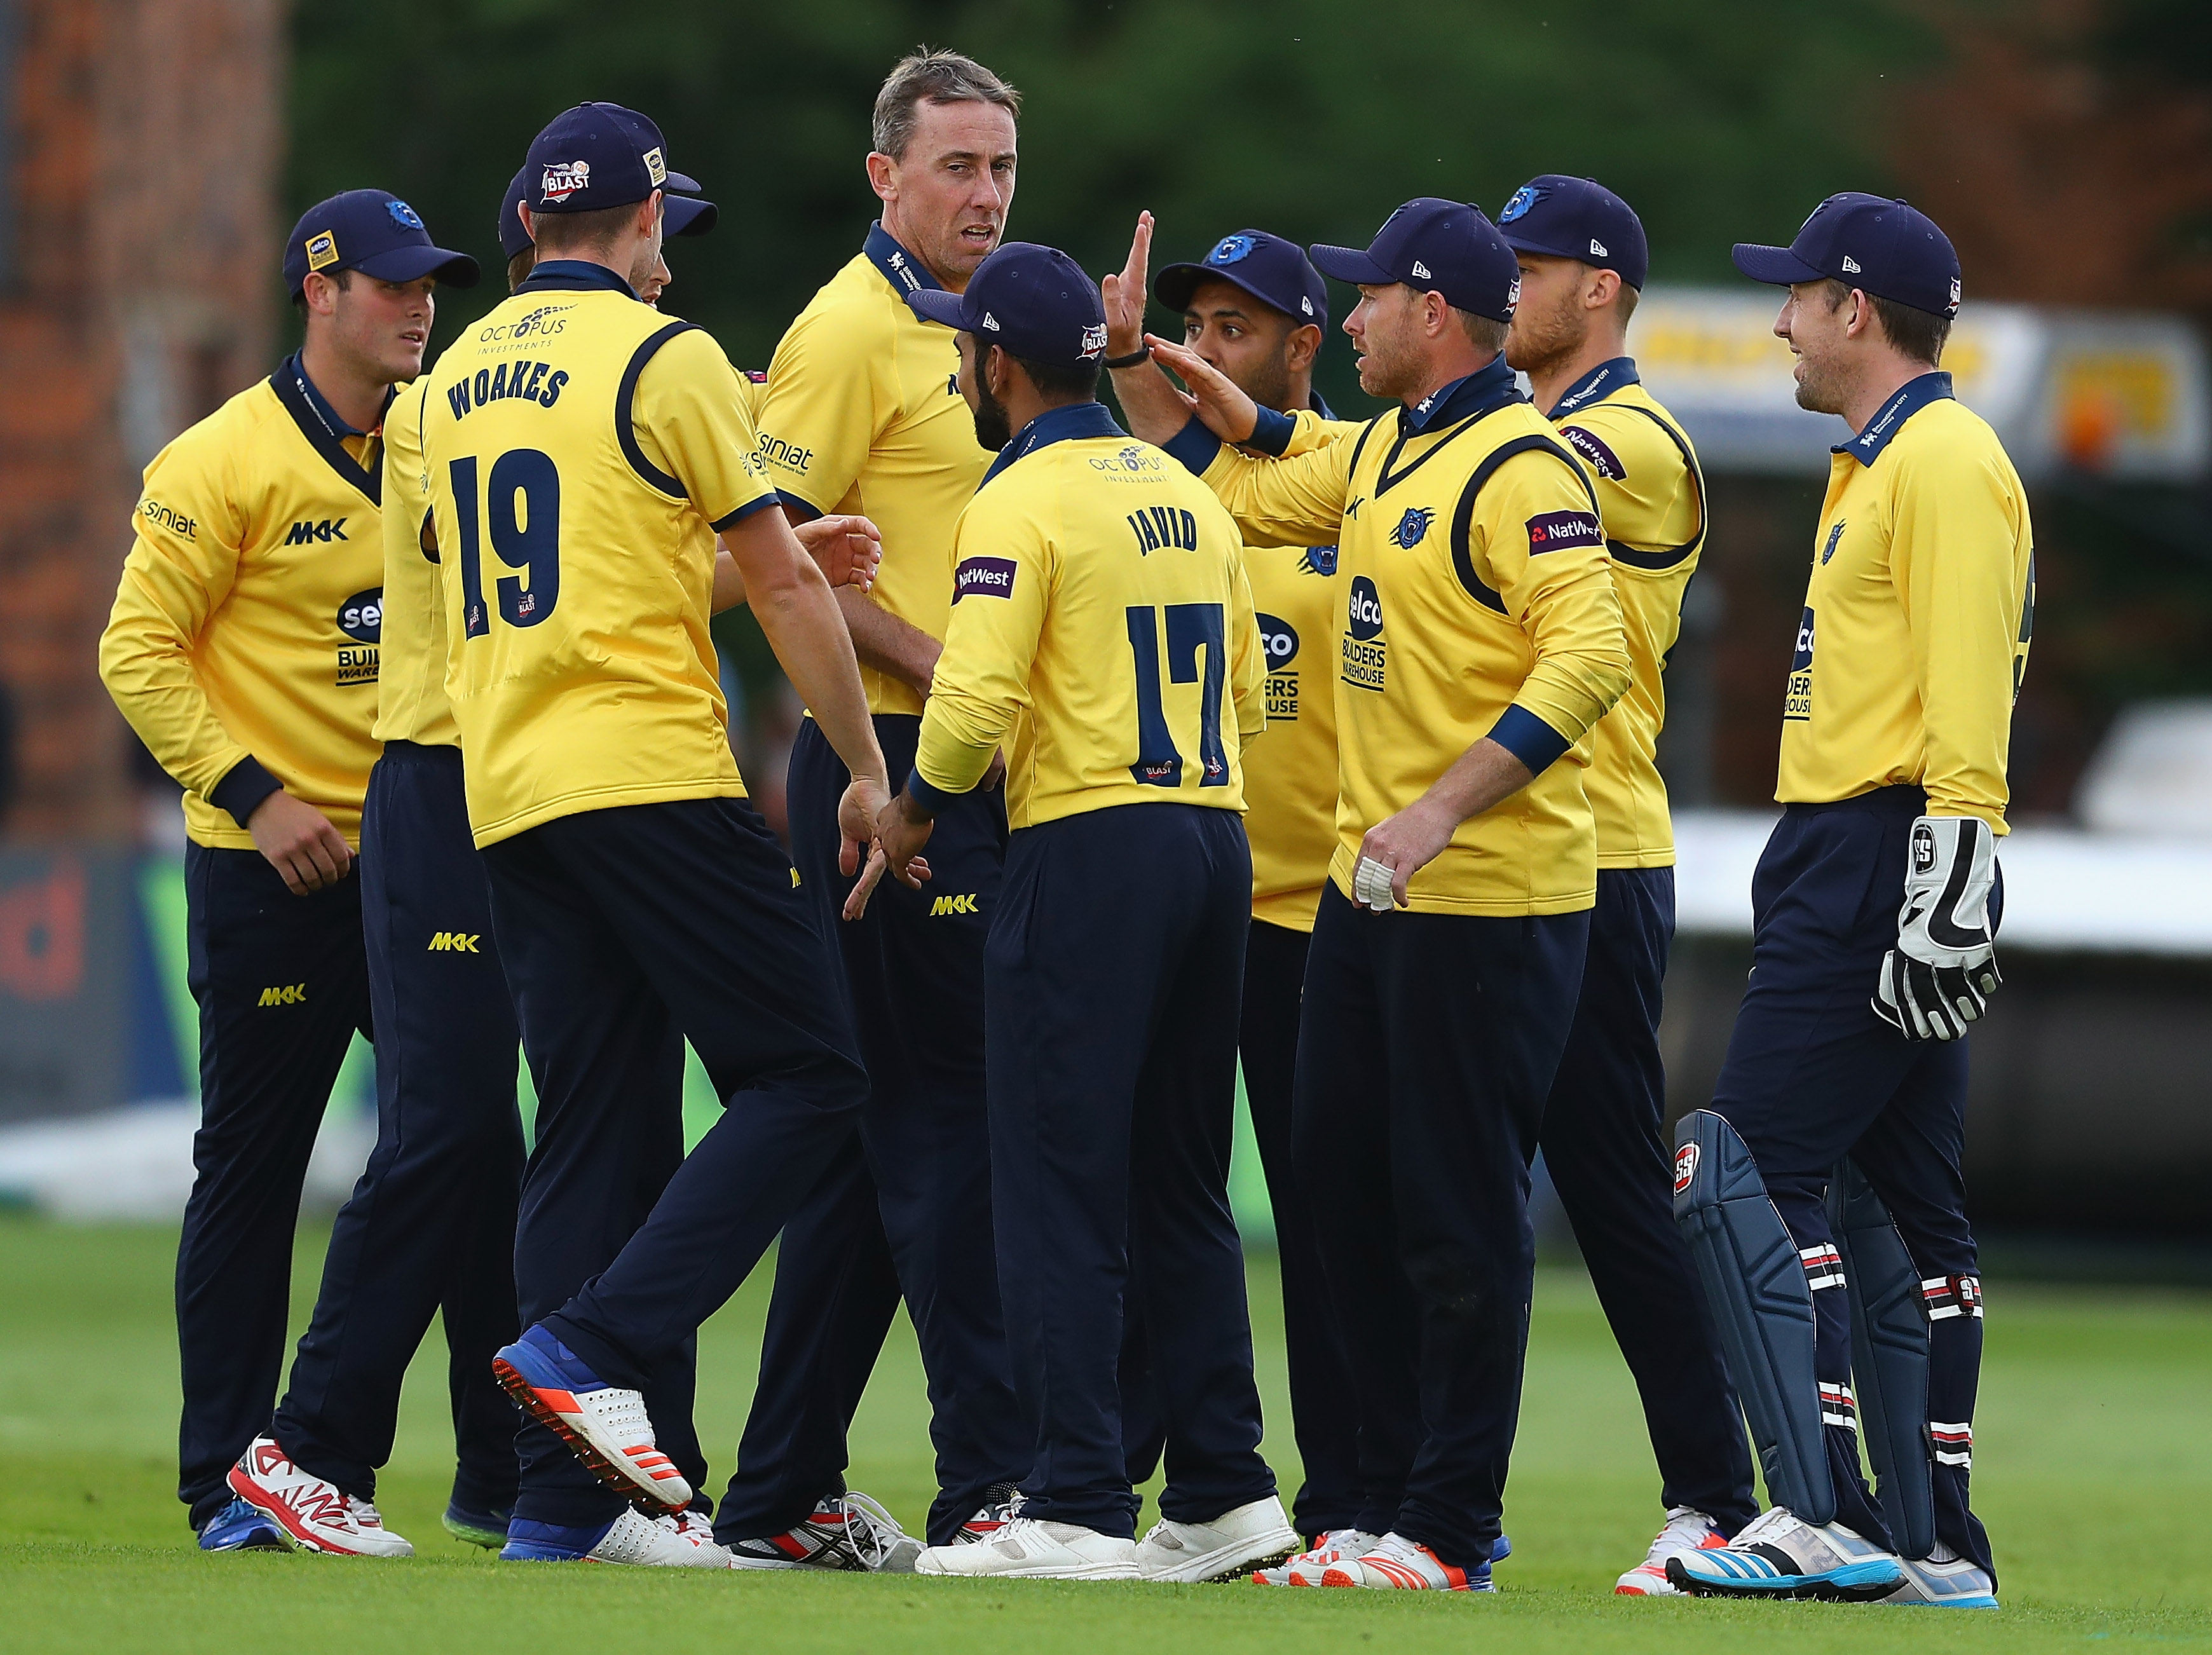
(1256, 310)
(1102, 638)
(242, 648)
(1822, 1193)
(1480, 641)
(1583, 259)
(862, 414)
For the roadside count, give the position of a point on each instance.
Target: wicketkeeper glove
(1941, 974)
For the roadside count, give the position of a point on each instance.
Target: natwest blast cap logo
(563, 178)
(1363, 617)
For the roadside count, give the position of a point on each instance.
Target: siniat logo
(1363, 617)
(1279, 639)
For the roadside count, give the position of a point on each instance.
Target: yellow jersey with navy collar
(863, 414)
(1651, 495)
(583, 450)
(1479, 601)
(1918, 615)
(412, 704)
(242, 646)
(1102, 633)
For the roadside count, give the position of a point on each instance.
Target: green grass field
(2094, 1474)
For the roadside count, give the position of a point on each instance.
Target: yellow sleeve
(982, 680)
(689, 417)
(1248, 655)
(191, 527)
(820, 414)
(1295, 500)
(1310, 431)
(1545, 547)
(1951, 557)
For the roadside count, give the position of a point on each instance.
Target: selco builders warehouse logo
(1797, 701)
(361, 618)
(1279, 639)
(1363, 658)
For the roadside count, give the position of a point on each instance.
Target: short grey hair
(933, 74)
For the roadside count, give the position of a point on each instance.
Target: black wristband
(1135, 358)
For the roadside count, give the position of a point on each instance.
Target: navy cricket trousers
(1111, 987)
(430, 1227)
(620, 928)
(1603, 1146)
(1426, 1046)
(1812, 1075)
(906, 1206)
(283, 987)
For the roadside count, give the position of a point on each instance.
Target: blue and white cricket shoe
(632, 1538)
(241, 1526)
(604, 1426)
(1778, 1556)
(1953, 1583)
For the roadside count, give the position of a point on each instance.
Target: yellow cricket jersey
(1651, 495)
(410, 696)
(863, 414)
(583, 449)
(1102, 633)
(1915, 634)
(242, 646)
(1479, 601)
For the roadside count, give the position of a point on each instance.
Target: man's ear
(883, 175)
(1302, 347)
(1604, 288)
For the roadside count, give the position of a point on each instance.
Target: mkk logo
(1364, 613)
(1279, 639)
(1413, 527)
(1828, 550)
(965, 904)
(455, 943)
(304, 534)
(361, 617)
(291, 994)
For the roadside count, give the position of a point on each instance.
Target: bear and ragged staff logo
(1413, 527)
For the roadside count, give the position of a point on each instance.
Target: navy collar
(574, 275)
(296, 370)
(324, 430)
(1319, 407)
(1065, 423)
(1594, 386)
(1911, 397)
(1483, 391)
(905, 273)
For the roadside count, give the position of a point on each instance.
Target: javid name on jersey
(1159, 527)
(531, 380)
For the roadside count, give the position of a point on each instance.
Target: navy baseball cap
(1566, 217)
(373, 231)
(680, 215)
(1435, 246)
(598, 156)
(1030, 301)
(1884, 247)
(1274, 271)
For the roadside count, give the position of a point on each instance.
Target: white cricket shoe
(846, 1530)
(312, 1514)
(1251, 1537)
(1953, 1583)
(1396, 1563)
(1031, 1549)
(662, 1543)
(1780, 1555)
(1307, 1567)
(1687, 1529)
(604, 1426)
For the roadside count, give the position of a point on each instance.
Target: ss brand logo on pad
(1686, 1166)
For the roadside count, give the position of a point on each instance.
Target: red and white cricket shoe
(1687, 1531)
(313, 1515)
(1395, 1563)
(604, 1426)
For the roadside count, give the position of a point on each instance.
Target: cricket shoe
(1779, 1557)
(1953, 1583)
(1394, 1562)
(1687, 1531)
(241, 1526)
(485, 1529)
(1030, 1548)
(311, 1514)
(654, 1543)
(604, 1426)
(844, 1531)
(1305, 1568)
(1002, 1503)
(1252, 1537)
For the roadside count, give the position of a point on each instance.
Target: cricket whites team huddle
(1227, 732)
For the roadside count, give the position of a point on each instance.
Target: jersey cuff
(745, 511)
(243, 788)
(799, 511)
(1195, 446)
(1273, 432)
(1528, 739)
(935, 800)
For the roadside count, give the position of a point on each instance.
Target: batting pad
(1889, 1357)
(1754, 1281)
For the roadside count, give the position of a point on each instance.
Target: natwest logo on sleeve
(984, 576)
(1551, 531)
